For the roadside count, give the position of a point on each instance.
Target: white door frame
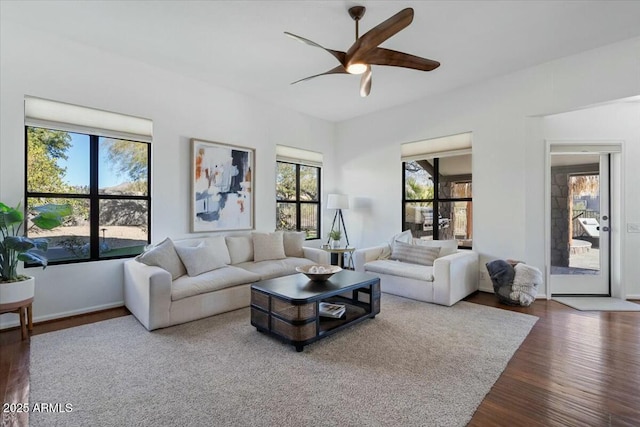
(615, 149)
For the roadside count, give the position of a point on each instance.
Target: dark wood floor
(574, 369)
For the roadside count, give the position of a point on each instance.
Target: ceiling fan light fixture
(366, 50)
(356, 68)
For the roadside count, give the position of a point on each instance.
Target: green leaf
(41, 244)
(46, 223)
(4, 208)
(33, 258)
(9, 216)
(54, 210)
(51, 216)
(18, 243)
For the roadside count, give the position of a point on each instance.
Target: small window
(298, 198)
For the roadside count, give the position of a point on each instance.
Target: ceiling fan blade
(339, 55)
(382, 56)
(378, 34)
(337, 70)
(365, 82)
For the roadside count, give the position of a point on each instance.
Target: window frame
(298, 203)
(435, 201)
(94, 197)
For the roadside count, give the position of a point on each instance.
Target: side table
(24, 310)
(341, 252)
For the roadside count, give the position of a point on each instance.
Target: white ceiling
(240, 45)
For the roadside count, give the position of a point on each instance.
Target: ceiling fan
(366, 52)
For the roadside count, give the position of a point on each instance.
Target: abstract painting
(221, 187)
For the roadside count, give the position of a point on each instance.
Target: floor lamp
(338, 202)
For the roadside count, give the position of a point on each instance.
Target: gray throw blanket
(502, 274)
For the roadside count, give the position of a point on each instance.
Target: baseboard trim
(486, 289)
(57, 316)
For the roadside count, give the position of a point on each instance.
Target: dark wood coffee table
(287, 307)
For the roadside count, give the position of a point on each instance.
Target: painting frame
(222, 187)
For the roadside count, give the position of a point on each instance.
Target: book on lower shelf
(335, 311)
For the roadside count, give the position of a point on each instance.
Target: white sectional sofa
(185, 280)
(452, 276)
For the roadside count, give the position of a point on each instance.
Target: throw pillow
(405, 237)
(220, 245)
(293, 241)
(199, 259)
(240, 248)
(268, 246)
(164, 255)
(414, 254)
(447, 247)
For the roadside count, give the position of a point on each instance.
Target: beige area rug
(414, 364)
(598, 303)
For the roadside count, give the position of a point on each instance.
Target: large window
(437, 198)
(103, 175)
(298, 198)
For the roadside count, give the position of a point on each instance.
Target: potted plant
(335, 236)
(15, 247)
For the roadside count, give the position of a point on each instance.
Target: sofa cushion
(415, 254)
(164, 255)
(447, 247)
(218, 242)
(401, 269)
(293, 241)
(268, 246)
(240, 248)
(225, 277)
(200, 259)
(275, 268)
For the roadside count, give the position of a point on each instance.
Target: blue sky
(77, 164)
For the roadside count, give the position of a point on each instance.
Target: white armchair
(451, 278)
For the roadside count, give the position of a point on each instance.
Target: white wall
(508, 151)
(38, 64)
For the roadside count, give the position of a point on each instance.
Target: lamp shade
(337, 201)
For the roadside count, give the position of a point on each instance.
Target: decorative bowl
(318, 272)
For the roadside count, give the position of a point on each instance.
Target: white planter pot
(17, 291)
